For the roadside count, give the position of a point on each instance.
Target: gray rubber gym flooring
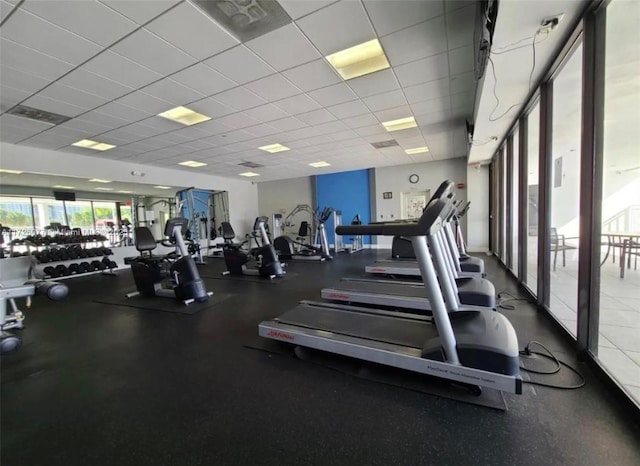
(98, 384)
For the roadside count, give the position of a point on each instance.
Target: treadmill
(478, 347)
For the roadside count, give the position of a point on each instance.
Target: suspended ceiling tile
(210, 107)
(316, 117)
(333, 95)
(123, 112)
(80, 18)
(9, 97)
(427, 91)
(287, 124)
(312, 75)
(348, 109)
(461, 60)
(5, 9)
(72, 96)
(151, 51)
(402, 111)
(419, 41)
(374, 83)
(465, 82)
(171, 91)
(360, 121)
(192, 31)
(25, 124)
(424, 70)
(337, 27)
(140, 11)
(344, 135)
(145, 103)
(94, 84)
(238, 120)
(262, 130)
(385, 100)
(33, 32)
(240, 65)
(284, 48)
(296, 8)
(461, 26)
(388, 17)
(272, 88)
(31, 61)
(121, 70)
(203, 79)
(240, 98)
(80, 124)
(265, 113)
(104, 119)
(298, 104)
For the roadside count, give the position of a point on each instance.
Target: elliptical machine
(290, 249)
(236, 258)
(174, 275)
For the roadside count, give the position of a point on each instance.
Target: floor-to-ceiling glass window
(80, 215)
(47, 211)
(531, 215)
(105, 214)
(503, 204)
(15, 213)
(619, 345)
(515, 173)
(565, 190)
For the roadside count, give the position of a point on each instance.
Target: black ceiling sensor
(487, 13)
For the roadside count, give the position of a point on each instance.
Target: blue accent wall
(347, 192)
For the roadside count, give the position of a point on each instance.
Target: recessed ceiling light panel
(359, 60)
(319, 164)
(249, 174)
(162, 187)
(184, 115)
(273, 148)
(245, 19)
(402, 123)
(95, 145)
(417, 150)
(10, 172)
(59, 186)
(98, 180)
(192, 164)
(104, 189)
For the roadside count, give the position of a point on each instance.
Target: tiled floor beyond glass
(619, 344)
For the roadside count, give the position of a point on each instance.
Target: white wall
(243, 195)
(396, 180)
(477, 228)
(282, 196)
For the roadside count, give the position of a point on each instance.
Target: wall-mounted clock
(413, 179)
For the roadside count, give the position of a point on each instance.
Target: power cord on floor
(527, 351)
(502, 302)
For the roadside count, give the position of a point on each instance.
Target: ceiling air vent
(245, 19)
(251, 165)
(38, 115)
(385, 144)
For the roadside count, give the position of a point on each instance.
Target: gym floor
(97, 384)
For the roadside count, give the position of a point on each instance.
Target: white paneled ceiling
(114, 65)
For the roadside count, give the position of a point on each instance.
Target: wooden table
(628, 240)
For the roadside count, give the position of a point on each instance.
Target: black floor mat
(164, 304)
(384, 374)
(248, 278)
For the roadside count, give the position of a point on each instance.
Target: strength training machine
(297, 250)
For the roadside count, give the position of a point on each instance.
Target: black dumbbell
(83, 267)
(98, 265)
(91, 253)
(113, 265)
(74, 268)
(64, 255)
(108, 252)
(63, 270)
(50, 271)
(92, 266)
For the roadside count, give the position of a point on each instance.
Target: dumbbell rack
(41, 268)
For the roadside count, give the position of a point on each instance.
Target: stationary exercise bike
(174, 275)
(237, 258)
(14, 318)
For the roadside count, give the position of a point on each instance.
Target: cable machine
(205, 209)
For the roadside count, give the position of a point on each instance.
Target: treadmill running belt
(392, 289)
(395, 331)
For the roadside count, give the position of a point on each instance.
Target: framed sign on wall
(387, 195)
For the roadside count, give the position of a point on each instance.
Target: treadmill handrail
(429, 221)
